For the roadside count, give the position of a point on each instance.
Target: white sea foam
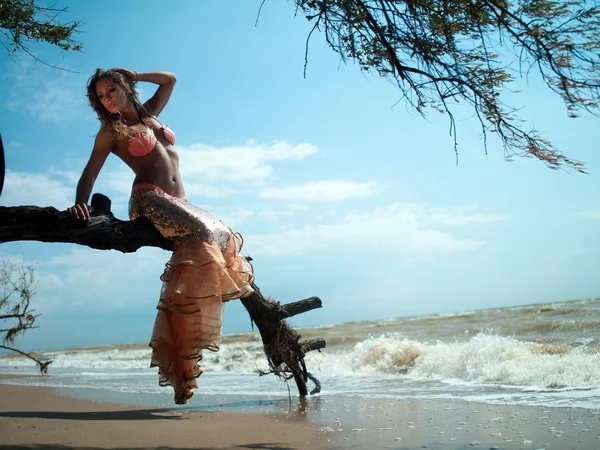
(245, 357)
(500, 360)
(482, 359)
(535, 355)
(487, 359)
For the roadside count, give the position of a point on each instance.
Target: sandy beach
(459, 425)
(37, 418)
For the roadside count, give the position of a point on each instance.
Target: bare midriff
(159, 168)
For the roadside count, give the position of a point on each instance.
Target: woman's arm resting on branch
(102, 148)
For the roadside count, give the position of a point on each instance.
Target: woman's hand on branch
(81, 211)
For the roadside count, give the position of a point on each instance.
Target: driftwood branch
(103, 231)
(313, 344)
(282, 345)
(295, 308)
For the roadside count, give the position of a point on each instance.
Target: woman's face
(112, 96)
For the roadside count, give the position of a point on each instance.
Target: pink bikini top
(143, 143)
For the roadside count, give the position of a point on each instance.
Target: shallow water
(543, 355)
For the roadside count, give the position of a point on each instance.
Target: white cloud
(36, 189)
(118, 180)
(14, 144)
(71, 176)
(323, 191)
(397, 226)
(209, 172)
(56, 99)
(57, 188)
(194, 189)
(463, 219)
(244, 164)
(591, 214)
(233, 218)
(56, 103)
(270, 214)
(463, 215)
(12, 259)
(83, 277)
(49, 280)
(45, 284)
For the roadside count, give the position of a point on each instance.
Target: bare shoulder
(104, 133)
(104, 139)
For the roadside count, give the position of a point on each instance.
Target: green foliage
(440, 53)
(22, 21)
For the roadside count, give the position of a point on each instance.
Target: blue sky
(338, 191)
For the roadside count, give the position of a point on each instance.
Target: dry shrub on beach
(17, 285)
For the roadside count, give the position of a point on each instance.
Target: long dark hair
(113, 121)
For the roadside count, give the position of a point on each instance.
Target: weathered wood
(281, 343)
(103, 231)
(313, 344)
(101, 203)
(295, 308)
(274, 311)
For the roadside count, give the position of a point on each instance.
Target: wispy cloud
(209, 172)
(70, 176)
(14, 145)
(396, 226)
(464, 215)
(46, 284)
(86, 278)
(55, 99)
(323, 191)
(592, 214)
(118, 180)
(195, 189)
(57, 188)
(36, 189)
(56, 103)
(271, 214)
(235, 216)
(248, 163)
(463, 219)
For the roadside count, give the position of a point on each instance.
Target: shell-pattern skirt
(205, 270)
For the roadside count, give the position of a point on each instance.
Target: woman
(206, 268)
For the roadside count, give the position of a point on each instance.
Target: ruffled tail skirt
(205, 270)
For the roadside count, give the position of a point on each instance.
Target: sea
(538, 355)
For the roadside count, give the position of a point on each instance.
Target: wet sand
(36, 418)
(457, 425)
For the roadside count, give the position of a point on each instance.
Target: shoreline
(42, 417)
(36, 417)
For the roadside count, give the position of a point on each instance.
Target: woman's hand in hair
(133, 76)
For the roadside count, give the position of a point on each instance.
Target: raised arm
(102, 147)
(166, 82)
